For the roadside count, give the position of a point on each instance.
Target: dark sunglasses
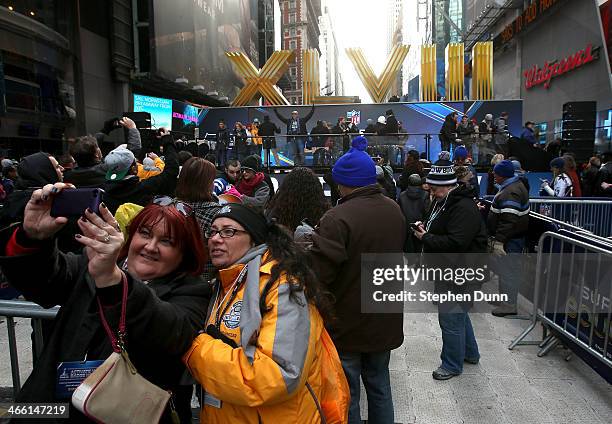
(183, 208)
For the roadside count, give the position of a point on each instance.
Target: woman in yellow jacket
(259, 359)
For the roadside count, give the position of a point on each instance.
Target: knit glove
(497, 248)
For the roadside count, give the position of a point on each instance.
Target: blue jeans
(295, 147)
(373, 368)
(458, 341)
(509, 269)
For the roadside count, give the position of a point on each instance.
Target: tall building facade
(417, 31)
(329, 68)
(555, 32)
(300, 31)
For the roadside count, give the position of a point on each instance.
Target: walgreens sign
(543, 76)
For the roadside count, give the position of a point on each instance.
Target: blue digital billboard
(159, 108)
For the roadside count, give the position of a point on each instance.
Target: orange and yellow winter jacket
(263, 380)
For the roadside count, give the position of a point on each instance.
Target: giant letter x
(261, 81)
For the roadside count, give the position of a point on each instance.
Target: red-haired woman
(160, 262)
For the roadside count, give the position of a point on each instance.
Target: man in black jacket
(507, 224)
(454, 226)
(267, 130)
(448, 132)
(223, 141)
(296, 127)
(604, 176)
(90, 170)
(122, 183)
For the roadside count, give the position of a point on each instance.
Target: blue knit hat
(355, 168)
(461, 153)
(557, 163)
(504, 169)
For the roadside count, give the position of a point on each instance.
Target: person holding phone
(453, 225)
(122, 183)
(161, 262)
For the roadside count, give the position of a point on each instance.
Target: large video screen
(191, 38)
(184, 117)
(159, 108)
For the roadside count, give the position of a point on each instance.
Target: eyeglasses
(183, 208)
(224, 232)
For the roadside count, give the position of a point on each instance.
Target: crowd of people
(329, 141)
(233, 286)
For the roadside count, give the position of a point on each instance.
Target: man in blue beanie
(460, 157)
(507, 225)
(365, 220)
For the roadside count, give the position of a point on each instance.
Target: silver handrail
(12, 309)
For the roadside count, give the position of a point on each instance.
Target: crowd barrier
(590, 214)
(322, 150)
(12, 309)
(571, 297)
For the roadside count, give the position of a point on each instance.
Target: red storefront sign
(543, 76)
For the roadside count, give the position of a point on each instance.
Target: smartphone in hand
(73, 202)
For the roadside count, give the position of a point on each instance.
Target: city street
(509, 387)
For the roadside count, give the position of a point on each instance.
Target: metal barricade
(580, 282)
(12, 309)
(594, 215)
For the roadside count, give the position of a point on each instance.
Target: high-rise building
(329, 69)
(417, 31)
(300, 31)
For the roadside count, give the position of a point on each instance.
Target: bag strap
(317, 404)
(118, 341)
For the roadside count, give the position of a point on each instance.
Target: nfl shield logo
(354, 116)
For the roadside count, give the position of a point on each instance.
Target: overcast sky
(359, 23)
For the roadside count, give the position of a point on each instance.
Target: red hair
(184, 230)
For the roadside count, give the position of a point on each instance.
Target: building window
(292, 32)
(292, 45)
(292, 4)
(293, 72)
(292, 18)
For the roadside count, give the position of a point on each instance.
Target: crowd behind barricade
(209, 278)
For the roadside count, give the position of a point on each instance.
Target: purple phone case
(73, 202)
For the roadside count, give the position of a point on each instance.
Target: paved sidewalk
(506, 387)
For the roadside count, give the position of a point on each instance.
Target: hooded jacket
(365, 221)
(162, 317)
(259, 364)
(509, 214)
(35, 171)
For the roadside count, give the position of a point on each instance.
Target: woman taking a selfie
(259, 359)
(166, 299)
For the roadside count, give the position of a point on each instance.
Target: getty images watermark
(572, 286)
(395, 283)
(450, 279)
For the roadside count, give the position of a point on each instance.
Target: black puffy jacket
(458, 227)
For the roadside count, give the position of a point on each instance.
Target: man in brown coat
(364, 221)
